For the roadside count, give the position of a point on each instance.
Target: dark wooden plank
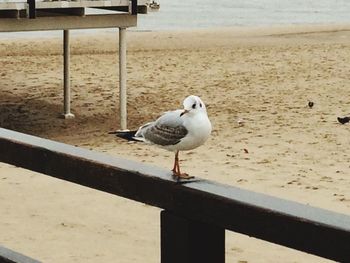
(10, 256)
(291, 224)
(10, 13)
(73, 11)
(187, 241)
(141, 9)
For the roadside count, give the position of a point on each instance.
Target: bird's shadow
(185, 181)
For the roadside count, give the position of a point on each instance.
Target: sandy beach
(264, 77)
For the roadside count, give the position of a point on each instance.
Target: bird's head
(193, 104)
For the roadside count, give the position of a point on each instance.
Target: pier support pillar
(122, 79)
(66, 77)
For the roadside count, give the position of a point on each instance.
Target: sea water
(193, 14)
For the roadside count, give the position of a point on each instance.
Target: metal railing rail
(196, 213)
(10, 256)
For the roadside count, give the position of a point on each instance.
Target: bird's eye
(194, 106)
(200, 105)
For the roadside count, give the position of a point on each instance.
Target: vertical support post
(122, 78)
(31, 12)
(188, 241)
(66, 76)
(133, 8)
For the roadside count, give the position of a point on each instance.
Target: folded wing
(166, 130)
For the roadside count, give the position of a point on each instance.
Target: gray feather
(162, 134)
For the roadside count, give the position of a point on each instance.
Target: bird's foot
(182, 175)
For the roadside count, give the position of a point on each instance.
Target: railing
(196, 213)
(9, 256)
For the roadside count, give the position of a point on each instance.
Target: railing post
(188, 241)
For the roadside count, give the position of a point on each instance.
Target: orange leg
(176, 169)
(176, 162)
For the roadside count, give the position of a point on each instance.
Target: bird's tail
(126, 135)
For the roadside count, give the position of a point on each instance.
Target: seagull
(179, 130)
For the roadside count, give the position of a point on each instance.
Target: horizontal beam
(11, 13)
(141, 9)
(305, 228)
(60, 12)
(70, 4)
(10, 256)
(67, 22)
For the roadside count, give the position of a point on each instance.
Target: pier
(17, 16)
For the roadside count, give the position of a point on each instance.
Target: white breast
(199, 129)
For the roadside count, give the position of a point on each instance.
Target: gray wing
(167, 130)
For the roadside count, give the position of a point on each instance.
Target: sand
(263, 76)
